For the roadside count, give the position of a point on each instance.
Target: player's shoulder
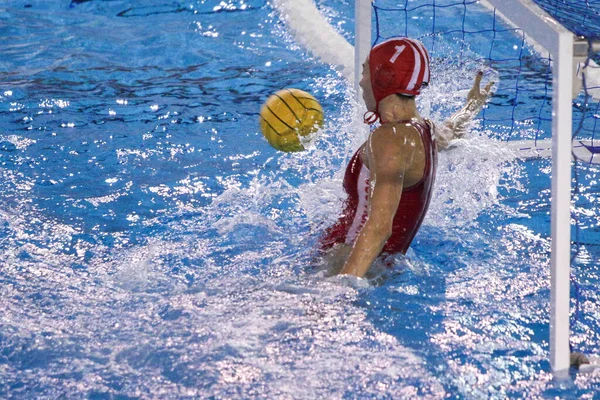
(393, 139)
(396, 132)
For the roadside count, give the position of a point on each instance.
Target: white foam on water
(467, 181)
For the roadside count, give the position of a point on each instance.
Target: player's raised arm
(456, 126)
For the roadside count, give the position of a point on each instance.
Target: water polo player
(389, 180)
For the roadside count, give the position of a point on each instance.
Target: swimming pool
(155, 246)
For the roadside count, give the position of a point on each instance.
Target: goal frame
(545, 30)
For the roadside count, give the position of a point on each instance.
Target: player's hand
(476, 94)
(457, 125)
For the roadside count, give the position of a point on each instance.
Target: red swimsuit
(411, 209)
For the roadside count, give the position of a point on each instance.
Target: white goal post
(362, 41)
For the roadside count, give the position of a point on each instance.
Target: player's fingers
(477, 82)
(488, 87)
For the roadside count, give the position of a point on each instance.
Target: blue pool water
(155, 246)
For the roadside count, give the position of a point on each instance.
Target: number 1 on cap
(399, 50)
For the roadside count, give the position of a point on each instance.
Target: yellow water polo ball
(289, 115)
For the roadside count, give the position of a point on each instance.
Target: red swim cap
(398, 65)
